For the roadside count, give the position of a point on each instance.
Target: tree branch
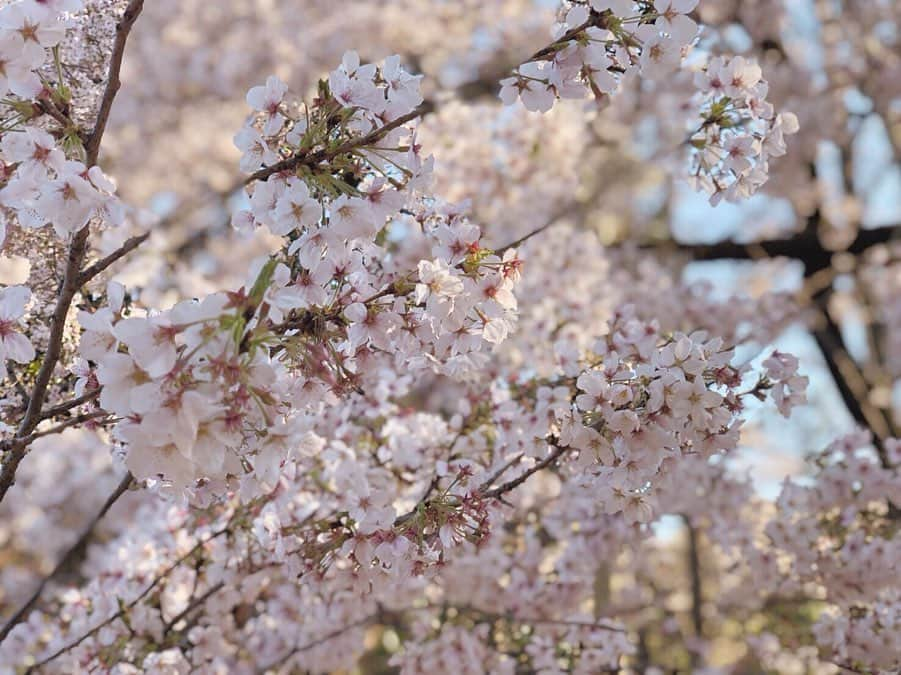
(72, 276)
(156, 581)
(504, 488)
(804, 246)
(74, 553)
(314, 158)
(841, 366)
(18, 446)
(99, 266)
(61, 408)
(694, 567)
(194, 604)
(113, 83)
(383, 616)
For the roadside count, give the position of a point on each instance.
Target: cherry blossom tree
(365, 336)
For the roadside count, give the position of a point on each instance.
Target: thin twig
(61, 408)
(113, 83)
(62, 426)
(523, 477)
(467, 609)
(314, 158)
(99, 266)
(554, 219)
(76, 550)
(195, 603)
(157, 580)
(500, 472)
(315, 643)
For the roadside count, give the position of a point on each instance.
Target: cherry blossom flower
(256, 152)
(430, 394)
(13, 344)
(295, 209)
(267, 99)
(672, 19)
(17, 66)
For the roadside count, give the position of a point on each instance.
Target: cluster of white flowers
(600, 43)
(41, 183)
(395, 417)
(788, 388)
(648, 403)
(27, 30)
(840, 554)
(741, 130)
(321, 317)
(43, 187)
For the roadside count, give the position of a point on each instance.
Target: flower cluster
(741, 130)
(360, 431)
(42, 187)
(603, 43)
(43, 179)
(831, 533)
(649, 402)
(318, 320)
(599, 43)
(27, 30)
(788, 388)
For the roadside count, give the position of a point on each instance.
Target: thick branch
(841, 366)
(804, 246)
(694, 567)
(32, 416)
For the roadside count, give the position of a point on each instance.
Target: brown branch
(383, 616)
(113, 83)
(513, 461)
(519, 242)
(850, 383)
(494, 493)
(72, 276)
(694, 567)
(18, 446)
(194, 604)
(57, 410)
(804, 247)
(318, 641)
(61, 408)
(314, 158)
(504, 488)
(47, 107)
(62, 426)
(99, 266)
(554, 219)
(595, 19)
(74, 553)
